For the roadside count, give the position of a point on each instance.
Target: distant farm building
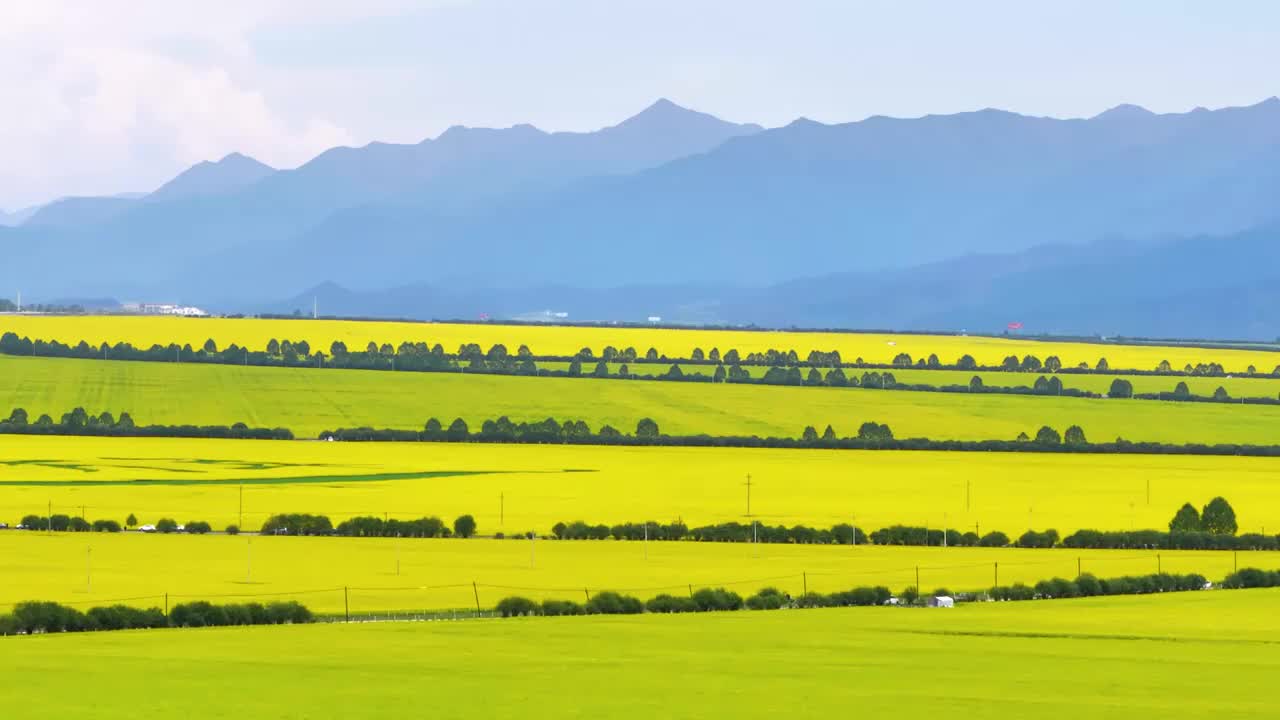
(163, 309)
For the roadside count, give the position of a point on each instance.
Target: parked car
(147, 528)
(4, 526)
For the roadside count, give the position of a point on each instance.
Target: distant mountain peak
(804, 122)
(1124, 110)
(232, 172)
(663, 114)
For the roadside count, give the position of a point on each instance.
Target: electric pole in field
(748, 494)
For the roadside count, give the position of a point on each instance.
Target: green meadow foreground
(518, 488)
(383, 574)
(1189, 655)
(308, 401)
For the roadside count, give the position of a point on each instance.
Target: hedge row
(720, 599)
(415, 355)
(841, 534)
(871, 436)
(1088, 585)
(367, 526)
(79, 422)
(44, 617)
(845, 534)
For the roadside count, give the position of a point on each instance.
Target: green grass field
(1238, 386)
(1190, 655)
(514, 488)
(386, 574)
(309, 401)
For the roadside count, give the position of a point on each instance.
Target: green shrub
(561, 607)
(33, 617)
(612, 603)
(708, 599)
(670, 604)
(516, 607)
(768, 599)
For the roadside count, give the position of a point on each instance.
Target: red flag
(1015, 326)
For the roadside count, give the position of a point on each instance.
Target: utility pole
(533, 541)
(748, 494)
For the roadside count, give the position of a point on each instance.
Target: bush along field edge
(32, 618)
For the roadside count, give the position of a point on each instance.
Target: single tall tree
(1218, 517)
(1187, 519)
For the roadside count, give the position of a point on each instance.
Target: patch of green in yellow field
(308, 401)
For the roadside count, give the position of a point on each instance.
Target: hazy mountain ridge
(1166, 288)
(876, 194)
(147, 248)
(708, 211)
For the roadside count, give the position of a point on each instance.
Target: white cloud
(109, 97)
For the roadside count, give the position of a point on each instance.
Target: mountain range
(1129, 221)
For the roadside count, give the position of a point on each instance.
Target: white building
(163, 309)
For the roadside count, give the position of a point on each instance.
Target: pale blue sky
(121, 95)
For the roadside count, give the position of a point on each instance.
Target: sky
(100, 97)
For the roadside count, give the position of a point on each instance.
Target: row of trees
(841, 534)
(1216, 518)
(720, 599)
(464, 526)
(871, 436)
(80, 422)
(46, 617)
(423, 357)
(1087, 585)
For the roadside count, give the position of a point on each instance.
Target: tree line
(1214, 529)
(48, 617)
(870, 436)
(464, 526)
(841, 534)
(471, 357)
(80, 422)
(722, 600)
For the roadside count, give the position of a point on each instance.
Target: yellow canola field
(559, 340)
(386, 574)
(516, 488)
